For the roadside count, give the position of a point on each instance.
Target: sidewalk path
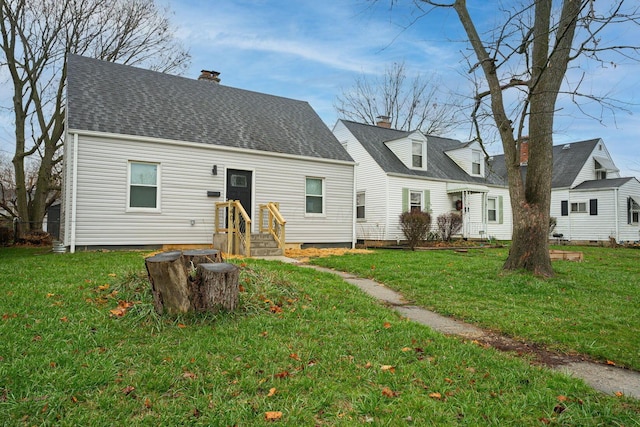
(605, 378)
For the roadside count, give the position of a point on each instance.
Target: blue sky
(312, 50)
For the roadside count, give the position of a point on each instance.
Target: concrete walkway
(605, 378)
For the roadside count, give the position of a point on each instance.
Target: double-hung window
(633, 212)
(360, 211)
(314, 195)
(144, 187)
(492, 209)
(417, 154)
(415, 201)
(476, 162)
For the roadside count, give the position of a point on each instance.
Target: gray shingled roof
(108, 97)
(439, 165)
(602, 183)
(568, 160)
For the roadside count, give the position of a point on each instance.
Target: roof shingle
(120, 99)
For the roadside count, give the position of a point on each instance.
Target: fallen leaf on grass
(111, 274)
(619, 394)
(64, 319)
(128, 390)
(610, 362)
(272, 415)
(559, 408)
(121, 309)
(406, 349)
(272, 391)
(388, 392)
(283, 374)
(147, 403)
(189, 375)
(294, 356)
(389, 368)
(435, 395)
(386, 325)
(562, 398)
(103, 287)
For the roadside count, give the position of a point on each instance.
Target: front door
(239, 187)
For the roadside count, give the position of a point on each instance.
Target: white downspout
(74, 191)
(615, 203)
(386, 207)
(354, 208)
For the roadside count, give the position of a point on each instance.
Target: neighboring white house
(397, 171)
(589, 199)
(147, 156)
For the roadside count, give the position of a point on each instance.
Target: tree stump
(201, 256)
(216, 287)
(169, 282)
(192, 281)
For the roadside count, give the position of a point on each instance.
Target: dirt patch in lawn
(303, 255)
(538, 354)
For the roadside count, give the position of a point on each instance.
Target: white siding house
(147, 156)
(397, 171)
(589, 199)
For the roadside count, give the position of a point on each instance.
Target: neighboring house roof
(108, 97)
(439, 165)
(597, 184)
(568, 161)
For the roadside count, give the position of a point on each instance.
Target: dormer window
(417, 154)
(476, 162)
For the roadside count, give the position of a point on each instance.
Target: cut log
(169, 282)
(195, 280)
(216, 287)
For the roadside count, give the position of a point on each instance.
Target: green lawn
(592, 307)
(304, 345)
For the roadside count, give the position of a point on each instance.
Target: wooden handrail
(275, 222)
(236, 233)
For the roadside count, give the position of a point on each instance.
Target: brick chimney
(211, 76)
(384, 122)
(524, 151)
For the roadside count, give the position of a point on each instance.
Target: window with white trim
(360, 211)
(144, 188)
(634, 211)
(476, 162)
(417, 154)
(492, 209)
(314, 195)
(415, 201)
(578, 207)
